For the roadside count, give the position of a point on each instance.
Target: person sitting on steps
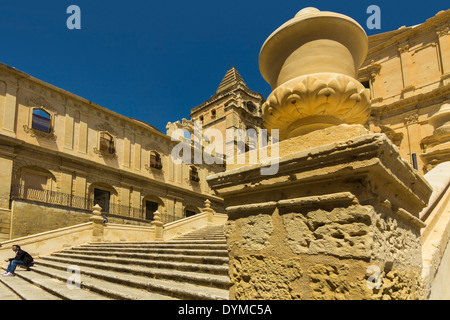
(22, 258)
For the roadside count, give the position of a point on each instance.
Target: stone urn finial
(157, 216)
(311, 62)
(97, 210)
(207, 206)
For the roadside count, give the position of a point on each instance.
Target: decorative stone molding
(442, 32)
(316, 102)
(411, 119)
(38, 133)
(106, 128)
(103, 154)
(154, 171)
(403, 48)
(185, 124)
(40, 102)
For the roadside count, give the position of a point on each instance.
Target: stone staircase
(191, 267)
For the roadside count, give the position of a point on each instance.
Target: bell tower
(233, 106)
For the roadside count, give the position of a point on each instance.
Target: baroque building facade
(62, 154)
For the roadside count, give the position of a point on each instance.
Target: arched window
(107, 143)
(213, 114)
(251, 107)
(193, 174)
(151, 204)
(190, 211)
(41, 120)
(105, 196)
(155, 160)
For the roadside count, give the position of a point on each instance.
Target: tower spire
(231, 79)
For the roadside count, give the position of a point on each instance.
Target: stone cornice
(401, 38)
(408, 104)
(22, 76)
(370, 159)
(68, 159)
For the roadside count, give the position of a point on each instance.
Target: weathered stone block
(259, 277)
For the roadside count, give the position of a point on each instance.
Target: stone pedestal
(338, 221)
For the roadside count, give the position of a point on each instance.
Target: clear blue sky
(155, 60)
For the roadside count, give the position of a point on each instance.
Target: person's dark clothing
(24, 257)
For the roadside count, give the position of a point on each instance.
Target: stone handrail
(50, 241)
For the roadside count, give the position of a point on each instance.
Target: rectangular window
(107, 143)
(414, 161)
(155, 160)
(41, 121)
(194, 174)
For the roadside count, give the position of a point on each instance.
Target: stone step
(181, 266)
(206, 233)
(201, 237)
(169, 251)
(105, 288)
(6, 293)
(182, 257)
(31, 285)
(193, 266)
(137, 278)
(198, 274)
(168, 245)
(25, 290)
(195, 244)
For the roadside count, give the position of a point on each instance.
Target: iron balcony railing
(82, 203)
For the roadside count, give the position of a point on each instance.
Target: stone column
(339, 219)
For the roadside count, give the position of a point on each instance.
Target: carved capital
(411, 119)
(105, 155)
(403, 48)
(442, 32)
